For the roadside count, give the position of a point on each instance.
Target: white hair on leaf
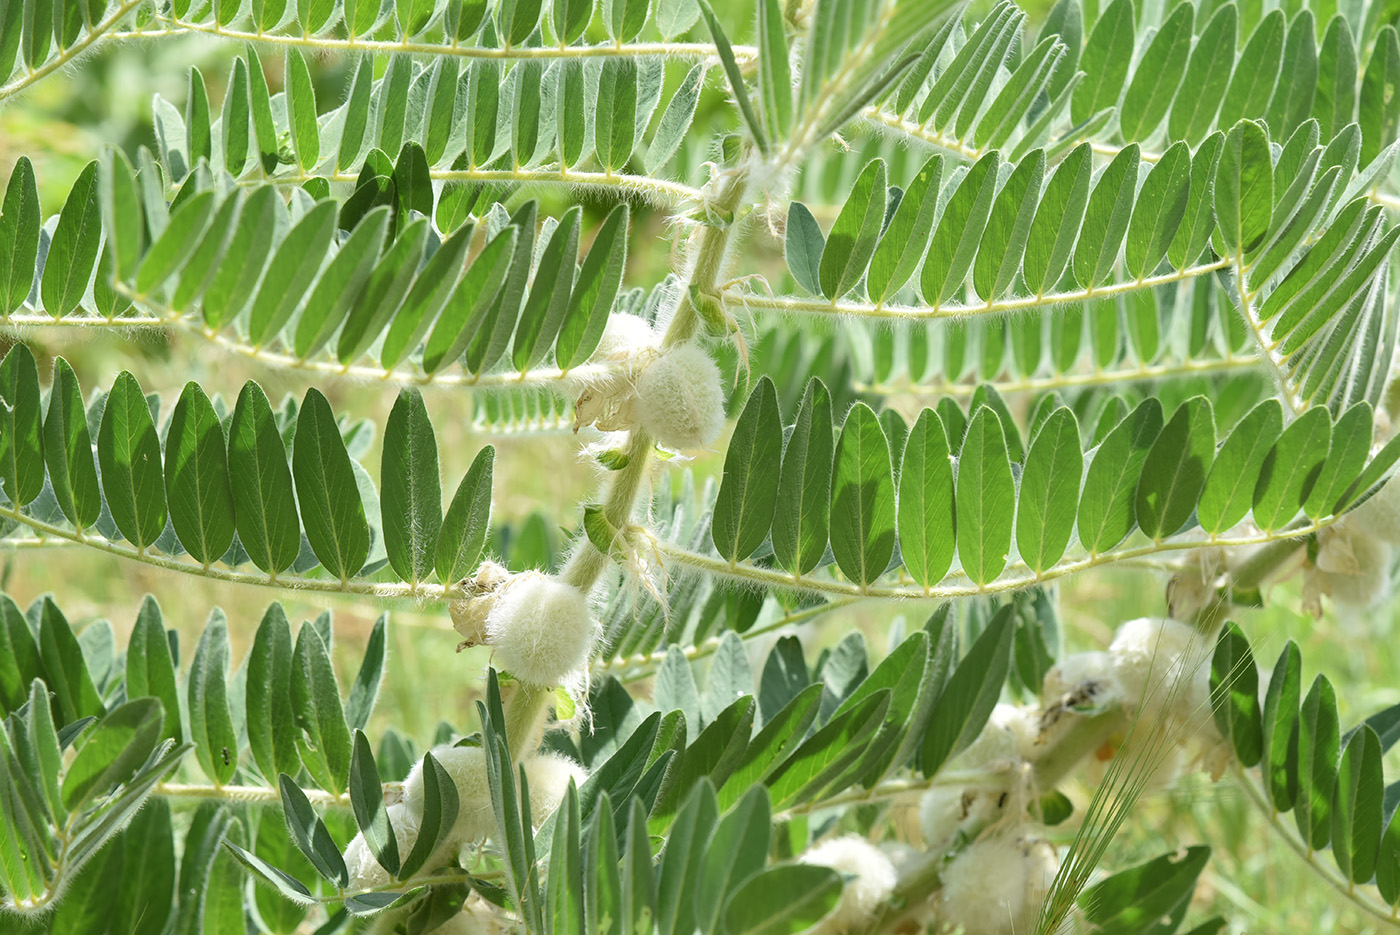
(870, 880)
(540, 630)
(997, 885)
(365, 871)
(679, 398)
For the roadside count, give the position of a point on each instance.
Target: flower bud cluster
(548, 774)
(674, 395)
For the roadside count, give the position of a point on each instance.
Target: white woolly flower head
(1379, 516)
(365, 872)
(623, 336)
(1353, 566)
(1082, 674)
(548, 774)
(467, 768)
(1009, 735)
(679, 398)
(1163, 668)
(870, 879)
(944, 810)
(540, 630)
(997, 885)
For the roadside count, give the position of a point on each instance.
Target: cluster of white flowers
(675, 395)
(548, 774)
(869, 880)
(538, 626)
(997, 885)
(1356, 555)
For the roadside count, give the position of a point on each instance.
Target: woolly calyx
(1082, 674)
(479, 593)
(539, 629)
(997, 885)
(1379, 517)
(467, 768)
(1353, 567)
(870, 879)
(365, 872)
(473, 921)
(623, 336)
(1163, 668)
(679, 399)
(1010, 734)
(549, 775)
(944, 810)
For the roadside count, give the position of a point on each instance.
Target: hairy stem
(587, 563)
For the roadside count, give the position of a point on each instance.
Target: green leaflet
(959, 231)
(1049, 497)
(803, 247)
(21, 429)
(1159, 211)
(1107, 54)
(150, 666)
(970, 694)
(1157, 76)
(19, 236)
(1106, 218)
(1057, 220)
(1229, 488)
(73, 250)
(197, 479)
(801, 517)
(748, 491)
(1318, 748)
(862, 498)
(1106, 513)
(464, 529)
(1234, 690)
(1175, 469)
(782, 900)
(410, 491)
(851, 241)
(1244, 192)
(1280, 719)
(327, 491)
(986, 497)
(1291, 469)
(1207, 77)
(905, 239)
(265, 512)
(291, 271)
(1008, 229)
(128, 450)
(211, 719)
(596, 287)
(271, 727)
(926, 516)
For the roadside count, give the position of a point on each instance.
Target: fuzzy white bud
(467, 768)
(997, 885)
(539, 629)
(1379, 517)
(1353, 566)
(679, 399)
(1088, 674)
(1010, 734)
(365, 872)
(1163, 667)
(549, 775)
(623, 336)
(870, 880)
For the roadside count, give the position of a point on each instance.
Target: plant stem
(587, 563)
